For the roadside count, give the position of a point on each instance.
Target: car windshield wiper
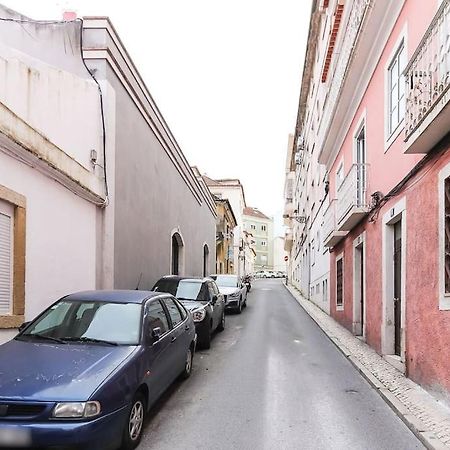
(88, 339)
(43, 336)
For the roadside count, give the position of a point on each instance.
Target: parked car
(86, 371)
(234, 291)
(202, 298)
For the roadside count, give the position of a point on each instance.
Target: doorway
(177, 254)
(394, 285)
(359, 286)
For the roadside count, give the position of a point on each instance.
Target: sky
(225, 75)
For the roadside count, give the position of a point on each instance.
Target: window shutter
(5, 264)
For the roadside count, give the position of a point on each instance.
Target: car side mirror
(156, 333)
(214, 299)
(23, 326)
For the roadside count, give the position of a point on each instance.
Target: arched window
(205, 260)
(177, 249)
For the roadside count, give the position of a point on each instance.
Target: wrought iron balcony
(352, 203)
(427, 86)
(331, 235)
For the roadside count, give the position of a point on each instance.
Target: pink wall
(427, 328)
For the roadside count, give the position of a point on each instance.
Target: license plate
(15, 437)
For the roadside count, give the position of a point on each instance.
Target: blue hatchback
(85, 372)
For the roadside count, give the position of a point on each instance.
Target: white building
(279, 254)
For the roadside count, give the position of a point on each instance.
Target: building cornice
(121, 63)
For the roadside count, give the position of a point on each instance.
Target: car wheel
(245, 303)
(221, 325)
(205, 341)
(188, 364)
(132, 432)
(239, 308)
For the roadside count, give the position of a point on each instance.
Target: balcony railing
(352, 200)
(331, 234)
(428, 79)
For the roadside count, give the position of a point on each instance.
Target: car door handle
(187, 328)
(173, 339)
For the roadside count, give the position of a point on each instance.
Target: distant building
(226, 223)
(261, 227)
(232, 189)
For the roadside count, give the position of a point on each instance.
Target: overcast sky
(225, 75)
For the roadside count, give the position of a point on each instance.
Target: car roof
(113, 296)
(179, 278)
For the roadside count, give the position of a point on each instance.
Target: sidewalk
(427, 418)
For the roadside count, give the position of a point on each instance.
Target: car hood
(191, 305)
(228, 290)
(56, 372)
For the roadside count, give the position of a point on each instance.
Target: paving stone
(426, 416)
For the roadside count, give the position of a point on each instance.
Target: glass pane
(173, 311)
(156, 317)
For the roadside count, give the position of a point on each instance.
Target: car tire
(239, 308)
(205, 341)
(188, 363)
(221, 325)
(132, 432)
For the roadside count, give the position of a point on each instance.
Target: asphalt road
(273, 380)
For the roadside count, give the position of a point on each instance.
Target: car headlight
(199, 315)
(76, 410)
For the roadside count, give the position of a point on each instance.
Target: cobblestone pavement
(428, 418)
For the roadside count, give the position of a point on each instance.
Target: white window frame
(391, 135)
(338, 258)
(444, 299)
(7, 209)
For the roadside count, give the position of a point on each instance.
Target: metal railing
(353, 191)
(329, 220)
(427, 74)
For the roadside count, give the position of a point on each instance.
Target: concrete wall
(151, 198)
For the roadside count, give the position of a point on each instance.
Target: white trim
(444, 300)
(390, 137)
(393, 215)
(359, 242)
(362, 123)
(338, 258)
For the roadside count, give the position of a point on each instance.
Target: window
(340, 282)
(263, 228)
(6, 257)
(396, 89)
(174, 312)
(444, 238)
(263, 243)
(156, 317)
(12, 258)
(252, 227)
(313, 253)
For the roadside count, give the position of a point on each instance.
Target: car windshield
(227, 281)
(183, 289)
(88, 321)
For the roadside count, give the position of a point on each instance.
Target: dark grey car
(202, 298)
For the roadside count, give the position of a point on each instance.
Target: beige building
(261, 227)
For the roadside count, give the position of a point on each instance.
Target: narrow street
(273, 380)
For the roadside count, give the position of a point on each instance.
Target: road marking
(265, 289)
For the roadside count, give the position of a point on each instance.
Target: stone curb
(418, 428)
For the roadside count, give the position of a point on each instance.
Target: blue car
(86, 371)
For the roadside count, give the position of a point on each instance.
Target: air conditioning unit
(298, 157)
(300, 143)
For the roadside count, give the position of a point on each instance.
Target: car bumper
(104, 432)
(232, 303)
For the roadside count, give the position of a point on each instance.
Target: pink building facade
(374, 112)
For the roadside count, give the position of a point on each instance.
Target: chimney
(69, 16)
